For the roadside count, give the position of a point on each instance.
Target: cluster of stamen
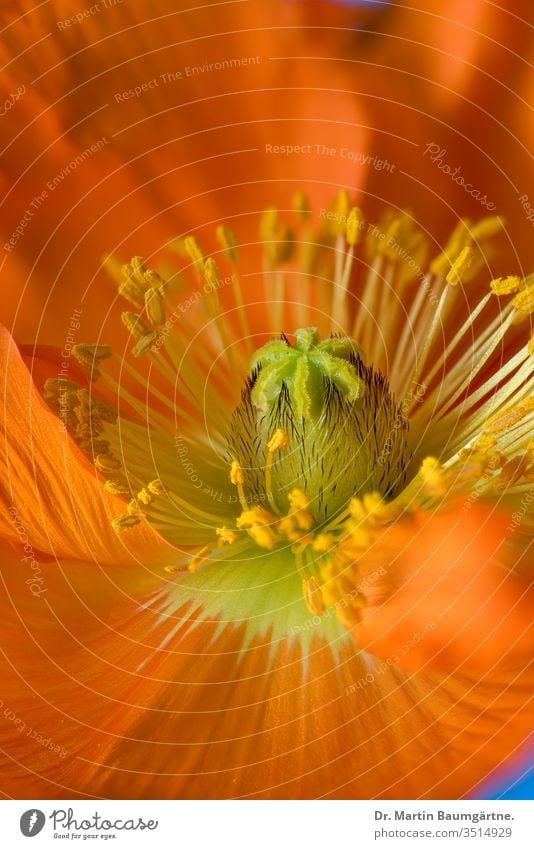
(305, 443)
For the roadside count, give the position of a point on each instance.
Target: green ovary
(346, 435)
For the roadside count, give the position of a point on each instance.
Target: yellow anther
(311, 590)
(432, 477)
(89, 353)
(460, 266)
(116, 487)
(144, 344)
(55, 386)
(154, 280)
(513, 471)
(337, 219)
(155, 307)
(297, 500)
(505, 285)
(373, 502)
(134, 286)
(392, 231)
(174, 568)
(355, 225)
(93, 447)
(343, 203)
(278, 236)
(228, 243)
(278, 440)
(156, 487)
(123, 523)
(144, 496)
(269, 223)
(199, 559)
(256, 515)
(236, 473)
(194, 252)
(378, 510)
(430, 467)
(531, 347)
(134, 508)
(136, 268)
(63, 401)
(288, 528)
(263, 536)
(507, 419)
(359, 539)
(107, 463)
(237, 477)
(459, 238)
(133, 292)
(226, 536)
(484, 443)
(105, 412)
(298, 510)
(134, 324)
(357, 510)
(323, 543)
(487, 227)
(524, 301)
(258, 522)
(301, 205)
(211, 274)
(280, 250)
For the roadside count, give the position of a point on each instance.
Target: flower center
(319, 449)
(314, 418)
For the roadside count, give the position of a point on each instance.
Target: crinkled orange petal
(51, 493)
(182, 154)
(146, 706)
(455, 75)
(439, 591)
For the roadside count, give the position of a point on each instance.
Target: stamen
(107, 464)
(355, 223)
(311, 590)
(238, 479)
(301, 205)
(488, 227)
(116, 487)
(509, 418)
(505, 285)
(278, 440)
(155, 307)
(194, 252)
(460, 266)
(226, 536)
(524, 301)
(91, 357)
(259, 524)
(228, 242)
(156, 487)
(124, 523)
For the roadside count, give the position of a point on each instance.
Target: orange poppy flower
(316, 583)
(239, 565)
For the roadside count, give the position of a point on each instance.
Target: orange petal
(439, 593)
(187, 152)
(141, 715)
(54, 500)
